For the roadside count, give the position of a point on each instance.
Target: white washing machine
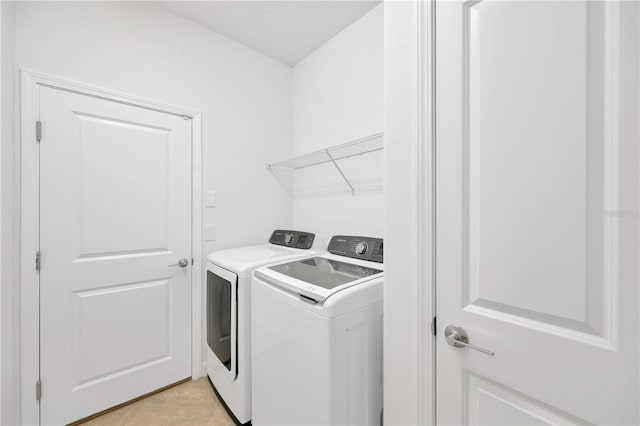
(317, 337)
(228, 312)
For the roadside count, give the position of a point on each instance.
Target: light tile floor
(190, 403)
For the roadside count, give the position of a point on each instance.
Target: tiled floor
(190, 403)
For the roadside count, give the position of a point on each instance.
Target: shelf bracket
(340, 171)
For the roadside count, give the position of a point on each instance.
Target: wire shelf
(331, 155)
(349, 149)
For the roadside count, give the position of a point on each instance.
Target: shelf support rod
(340, 171)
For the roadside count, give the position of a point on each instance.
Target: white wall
(144, 50)
(9, 294)
(338, 96)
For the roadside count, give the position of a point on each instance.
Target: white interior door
(537, 157)
(115, 213)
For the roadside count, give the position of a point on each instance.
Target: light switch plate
(210, 198)
(210, 233)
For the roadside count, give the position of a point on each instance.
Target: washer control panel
(364, 248)
(295, 239)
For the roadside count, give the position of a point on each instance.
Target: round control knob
(361, 248)
(288, 238)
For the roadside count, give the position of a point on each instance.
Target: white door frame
(409, 297)
(29, 232)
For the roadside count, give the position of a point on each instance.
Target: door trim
(30, 230)
(427, 210)
(409, 345)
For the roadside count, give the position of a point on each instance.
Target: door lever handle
(181, 263)
(458, 337)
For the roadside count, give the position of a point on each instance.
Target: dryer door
(222, 316)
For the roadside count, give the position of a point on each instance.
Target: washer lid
(323, 272)
(319, 277)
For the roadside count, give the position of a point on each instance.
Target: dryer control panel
(295, 239)
(365, 248)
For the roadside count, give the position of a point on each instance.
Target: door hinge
(192, 261)
(433, 326)
(38, 260)
(38, 130)
(38, 390)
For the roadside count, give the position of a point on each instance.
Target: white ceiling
(285, 30)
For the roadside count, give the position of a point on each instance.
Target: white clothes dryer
(228, 302)
(317, 337)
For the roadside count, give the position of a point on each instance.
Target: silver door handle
(458, 337)
(181, 263)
